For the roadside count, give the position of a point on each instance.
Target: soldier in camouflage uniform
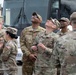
(2, 41)
(9, 52)
(65, 50)
(26, 40)
(64, 23)
(2, 33)
(43, 47)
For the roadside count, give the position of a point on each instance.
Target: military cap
(64, 19)
(56, 22)
(38, 16)
(73, 16)
(12, 30)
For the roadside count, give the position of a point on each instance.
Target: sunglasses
(52, 20)
(62, 21)
(35, 14)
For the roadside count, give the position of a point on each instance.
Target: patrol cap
(38, 16)
(64, 19)
(56, 22)
(73, 16)
(12, 31)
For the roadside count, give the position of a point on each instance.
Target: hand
(34, 48)
(42, 46)
(32, 57)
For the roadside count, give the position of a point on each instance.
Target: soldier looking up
(26, 40)
(43, 47)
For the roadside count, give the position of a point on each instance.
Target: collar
(49, 34)
(31, 29)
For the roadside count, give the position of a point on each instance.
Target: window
(7, 18)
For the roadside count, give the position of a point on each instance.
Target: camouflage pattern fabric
(26, 40)
(9, 56)
(2, 33)
(43, 64)
(65, 52)
(1, 50)
(61, 33)
(3, 30)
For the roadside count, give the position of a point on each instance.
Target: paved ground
(19, 70)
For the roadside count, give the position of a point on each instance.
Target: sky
(1, 2)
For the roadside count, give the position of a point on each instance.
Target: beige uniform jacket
(26, 40)
(9, 56)
(43, 65)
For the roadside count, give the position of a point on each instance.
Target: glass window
(55, 4)
(55, 9)
(7, 18)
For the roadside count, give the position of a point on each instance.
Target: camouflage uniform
(61, 33)
(26, 41)
(2, 33)
(9, 54)
(43, 64)
(10, 49)
(65, 52)
(1, 50)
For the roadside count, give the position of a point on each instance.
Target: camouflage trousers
(45, 71)
(1, 72)
(11, 73)
(8, 73)
(72, 74)
(69, 74)
(27, 68)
